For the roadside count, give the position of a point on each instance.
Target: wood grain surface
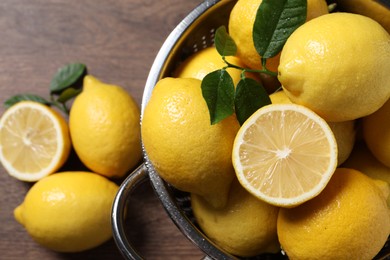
(117, 40)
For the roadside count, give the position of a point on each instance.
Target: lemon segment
(284, 154)
(344, 132)
(34, 141)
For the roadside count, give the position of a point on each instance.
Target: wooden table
(117, 40)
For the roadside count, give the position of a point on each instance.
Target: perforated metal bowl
(194, 33)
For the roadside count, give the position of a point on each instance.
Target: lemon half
(34, 141)
(284, 154)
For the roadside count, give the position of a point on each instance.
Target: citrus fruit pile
(289, 178)
(69, 210)
(307, 174)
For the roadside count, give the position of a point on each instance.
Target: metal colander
(194, 33)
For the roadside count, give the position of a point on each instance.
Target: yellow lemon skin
(245, 227)
(348, 220)
(186, 150)
(104, 125)
(68, 211)
(205, 61)
(318, 66)
(370, 8)
(376, 133)
(208, 60)
(242, 18)
(280, 97)
(344, 132)
(362, 160)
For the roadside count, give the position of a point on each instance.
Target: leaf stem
(231, 65)
(61, 106)
(265, 71)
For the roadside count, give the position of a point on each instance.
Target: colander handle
(136, 178)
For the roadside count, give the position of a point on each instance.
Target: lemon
(186, 150)
(362, 160)
(376, 133)
(34, 141)
(280, 97)
(242, 18)
(245, 227)
(372, 9)
(344, 132)
(316, 8)
(318, 66)
(207, 60)
(69, 211)
(201, 63)
(348, 220)
(105, 129)
(284, 154)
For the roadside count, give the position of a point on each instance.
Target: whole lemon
(344, 132)
(319, 69)
(242, 18)
(376, 133)
(348, 220)
(362, 160)
(104, 128)
(69, 211)
(245, 227)
(186, 150)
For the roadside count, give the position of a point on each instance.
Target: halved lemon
(34, 141)
(284, 154)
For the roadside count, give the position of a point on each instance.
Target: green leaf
(224, 44)
(25, 97)
(249, 97)
(275, 22)
(218, 92)
(68, 94)
(66, 76)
